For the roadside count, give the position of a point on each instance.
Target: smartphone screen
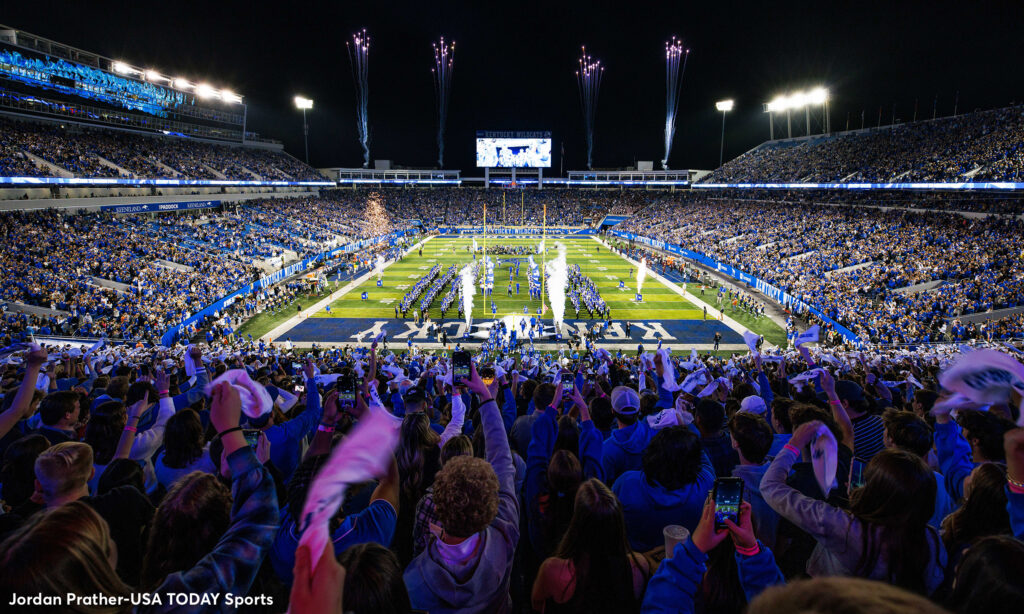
(347, 391)
(460, 366)
(856, 473)
(252, 437)
(568, 378)
(728, 496)
(300, 388)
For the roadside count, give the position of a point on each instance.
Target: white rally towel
(395, 372)
(669, 417)
(693, 380)
(751, 338)
(985, 377)
(364, 454)
(825, 459)
(256, 400)
(708, 390)
(327, 379)
(668, 371)
(191, 368)
(801, 379)
(808, 336)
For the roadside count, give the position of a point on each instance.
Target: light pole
(724, 106)
(800, 100)
(304, 104)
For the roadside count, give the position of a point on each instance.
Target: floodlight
(724, 105)
(152, 75)
(303, 103)
(122, 68)
(817, 96)
(203, 90)
(182, 84)
(229, 96)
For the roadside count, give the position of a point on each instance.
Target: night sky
(515, 63)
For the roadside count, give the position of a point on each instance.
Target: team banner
(158, 207)
(156, 182)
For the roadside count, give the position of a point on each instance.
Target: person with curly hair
(469, 567)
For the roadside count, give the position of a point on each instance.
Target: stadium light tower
(724, 106)
(304, 104)
(797, 101)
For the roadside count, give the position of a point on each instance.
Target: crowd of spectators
(890, 275)
(857, 263)
(980, 146)
(536, 483)
(78, 150)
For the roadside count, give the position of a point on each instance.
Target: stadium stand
(79, 152)
(981, 146)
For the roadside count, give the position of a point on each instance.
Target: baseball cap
(753, 404)
(625, 400)
(849, 391)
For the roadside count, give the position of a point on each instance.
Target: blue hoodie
(542, 445)
(649, 508)
(1015, 509)
(762, 516)
(624, 450)
(675, 585)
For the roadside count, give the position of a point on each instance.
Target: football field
(366, 309)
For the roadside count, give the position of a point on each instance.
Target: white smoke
(641, 273)
(474, 246)
(380, 266)
(466, 274)
(558, 279)
(540, 248)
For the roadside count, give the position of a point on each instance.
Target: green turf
(594, 260)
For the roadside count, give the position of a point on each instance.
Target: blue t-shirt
(376, 524)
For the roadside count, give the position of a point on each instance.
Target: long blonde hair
(63, 550)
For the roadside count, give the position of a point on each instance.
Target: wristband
(1015, 486)
(835, 402)
(325, 428)
(131, 428)
(791, 448)
(163, 392)
(751, 551)
(221, 434)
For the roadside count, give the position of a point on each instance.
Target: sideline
(282, 329)
(714, 313)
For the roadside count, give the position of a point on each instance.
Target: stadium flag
(986, 377)
(808, 336)
(363, 455)
(751, 338)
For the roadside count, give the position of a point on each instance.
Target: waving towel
(256, 400)
(825, 459)
(363, 455)
(668, 372)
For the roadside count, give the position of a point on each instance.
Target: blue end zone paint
(349, 330)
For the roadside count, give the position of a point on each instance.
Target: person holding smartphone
(884, 535)
(685, 570)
